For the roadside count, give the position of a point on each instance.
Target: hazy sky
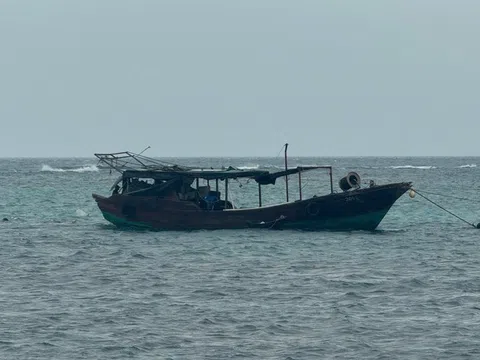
(239, 78)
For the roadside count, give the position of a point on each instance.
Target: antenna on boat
(286, 168)
(148, 147)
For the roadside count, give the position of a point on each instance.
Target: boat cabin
(184, 185)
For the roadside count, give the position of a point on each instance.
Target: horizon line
(255, 157)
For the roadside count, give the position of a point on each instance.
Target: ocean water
(75, 287)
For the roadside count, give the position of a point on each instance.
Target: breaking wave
(86, 168)
(271, 166)
(412, 167)
(248, 167)
(468, 166)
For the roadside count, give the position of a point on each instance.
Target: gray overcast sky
(239, 78)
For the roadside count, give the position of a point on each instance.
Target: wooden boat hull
(361, 209)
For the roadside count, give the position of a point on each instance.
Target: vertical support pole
(259, 195)
(216, 186)
(226, 192)
(286, 168)
(196, 182)
(331, 180)
(300, 184)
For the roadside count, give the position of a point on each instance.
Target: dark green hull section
(358, 222)
(124, 223)
(367, 221)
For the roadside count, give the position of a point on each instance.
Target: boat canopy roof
(132, 165)
(270, 178)
(262, 177)
(201, 174)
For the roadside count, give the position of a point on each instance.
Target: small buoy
(412, 193)
(478, 226)
(4, 219)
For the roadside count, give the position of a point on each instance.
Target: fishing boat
(157, 195)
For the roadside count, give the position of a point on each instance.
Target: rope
(280, 151)
(450, 196)
(441, 207)
(281, 217)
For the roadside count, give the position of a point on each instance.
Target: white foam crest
(80, 213)
(468, 166)
(49, 168)
(412, 167)
(85, 168)
(248, 167)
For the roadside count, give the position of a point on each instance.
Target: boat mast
(286, 168)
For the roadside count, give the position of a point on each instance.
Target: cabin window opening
(149, 181)
(187, 192)
(141, 186)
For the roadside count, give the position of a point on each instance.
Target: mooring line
(441, 207)
(449, 196)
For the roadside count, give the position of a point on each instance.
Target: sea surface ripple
(73, 286)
